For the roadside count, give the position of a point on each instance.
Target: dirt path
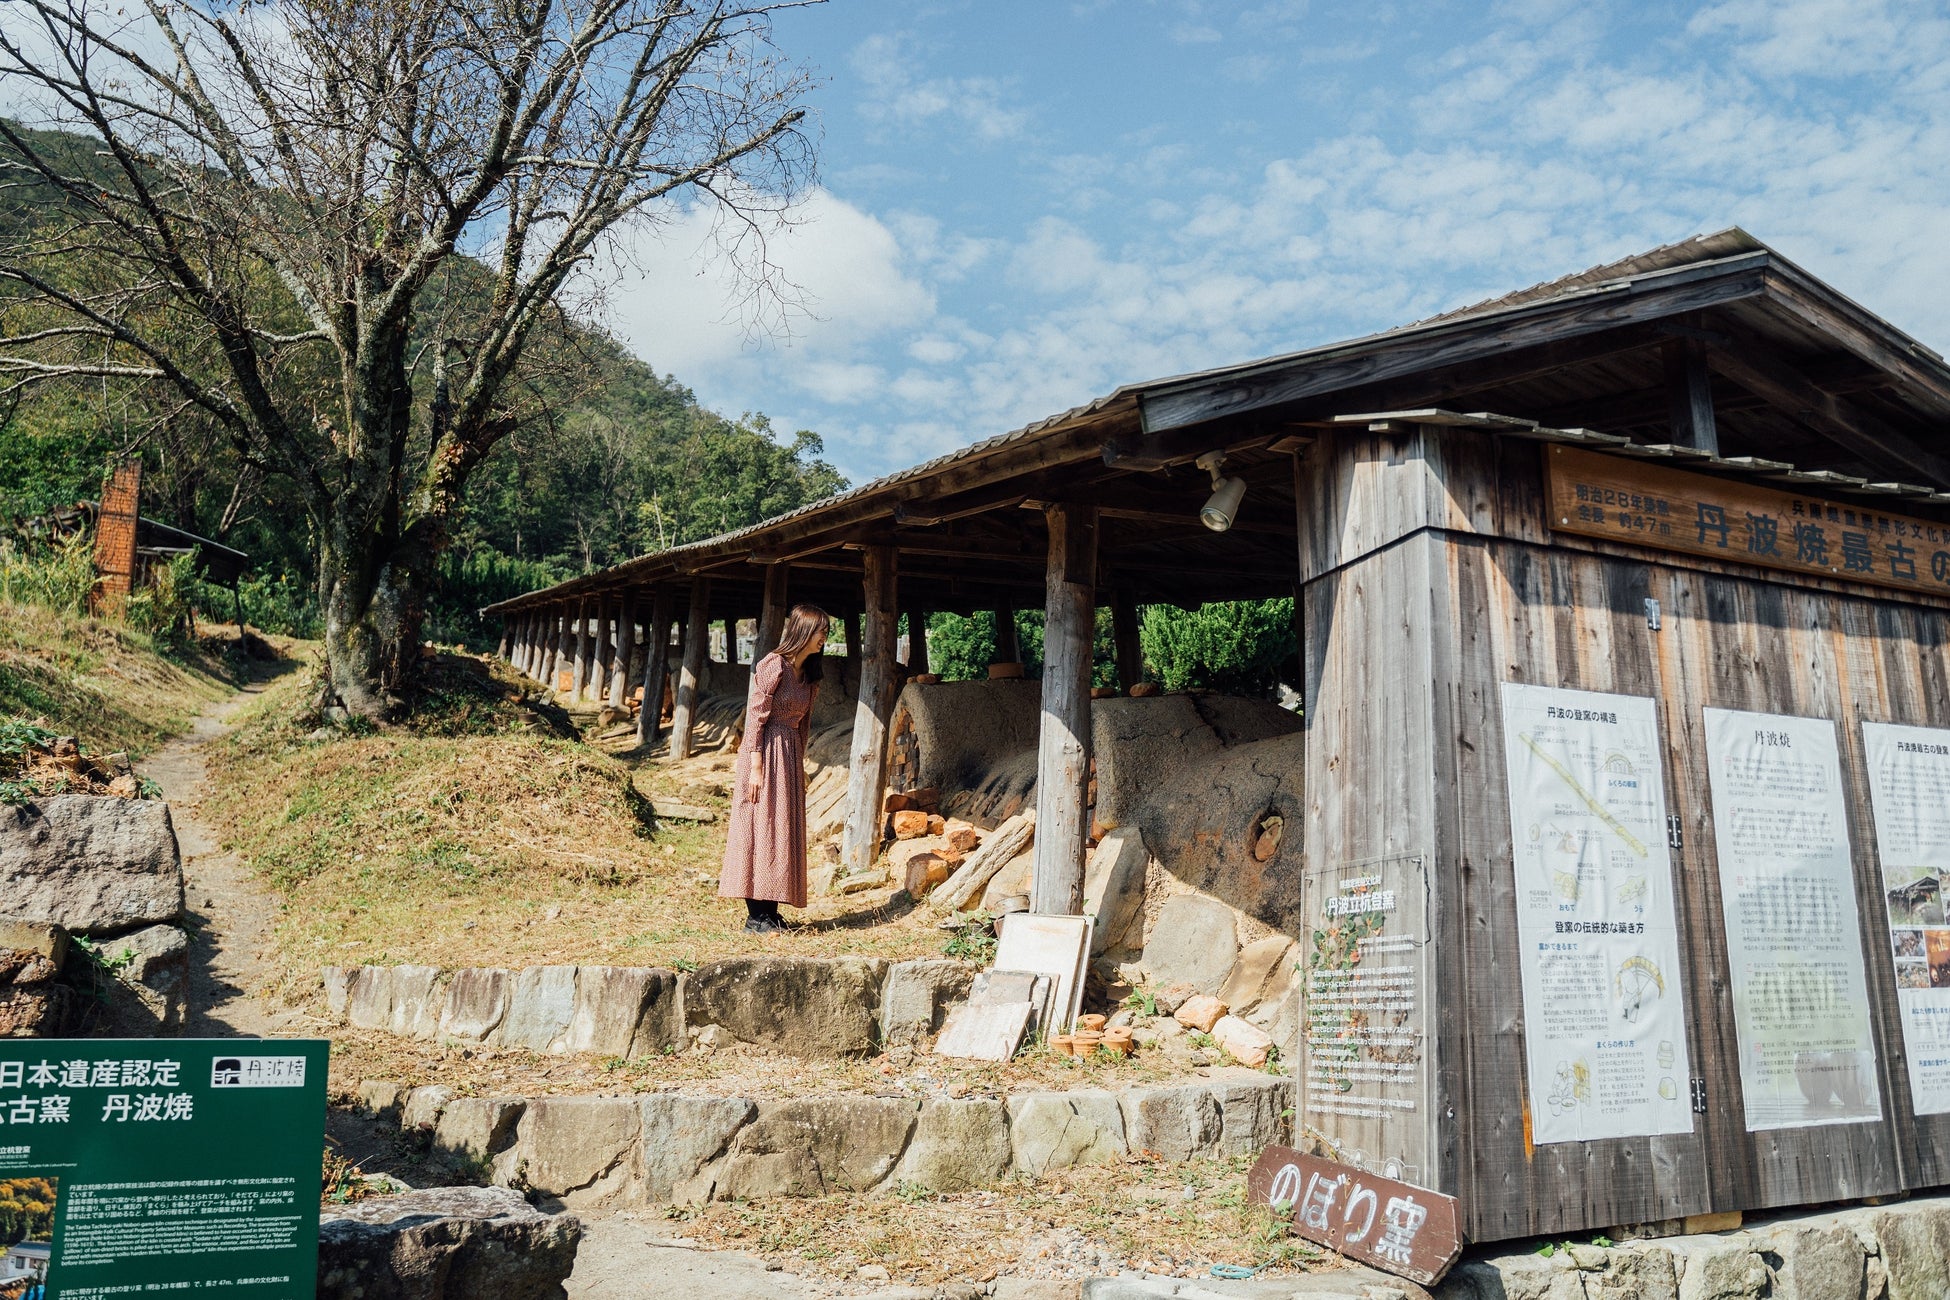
(230, 914)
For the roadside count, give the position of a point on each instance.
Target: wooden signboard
(1408, 1231)
(1623, 500)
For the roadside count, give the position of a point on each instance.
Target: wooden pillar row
(1063, 746)
(771, 616)
(656, 663)
(1130, 646)
(696, 629)
(879, 673)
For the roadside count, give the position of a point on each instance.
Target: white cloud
(896, 96)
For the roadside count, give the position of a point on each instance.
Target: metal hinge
(1652, 613)
(1675, 833)
(1699, 1096)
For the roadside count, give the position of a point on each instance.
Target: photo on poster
(1936, 951)
(1912, 974)
(27, 1208)
(1915, 896)
(1907, 943)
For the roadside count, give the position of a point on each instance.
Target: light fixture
(1222, 507)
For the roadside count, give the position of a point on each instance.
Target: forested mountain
(620, 460)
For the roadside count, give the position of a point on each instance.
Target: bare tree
(334, 226)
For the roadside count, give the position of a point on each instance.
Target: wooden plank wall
(1449, 577)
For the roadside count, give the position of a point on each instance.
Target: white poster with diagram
(1604, 1004)
(1909, 788)
(1794, 934)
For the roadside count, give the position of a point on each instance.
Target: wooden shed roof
(1804, 380)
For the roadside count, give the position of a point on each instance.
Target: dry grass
(478, 837)
(737, 1071)
(1172, 1220)
(106, 685)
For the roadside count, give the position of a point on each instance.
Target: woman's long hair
(803, 624)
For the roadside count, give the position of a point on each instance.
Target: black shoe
(762, 925)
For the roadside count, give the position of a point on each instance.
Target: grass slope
(478, 835)
(98, 681)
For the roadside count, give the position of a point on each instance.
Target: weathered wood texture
(879, 675)
(1689, 393)
(697, 626)
(656, 663)
(1446, 578)
(562, 624)
(917, 641)
(619, 668)
(1124, 633)
(579, 630)
(771, 616)
(1008, 647)
(1063, 747)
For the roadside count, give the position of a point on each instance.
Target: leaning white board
(1056, 946)
(1909, 787)
(1604, 1004)
(1794, 935)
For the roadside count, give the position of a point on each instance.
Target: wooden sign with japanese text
(1408, 1231)
(1622, 500)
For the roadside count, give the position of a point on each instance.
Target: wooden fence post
(1063, 749)
(771, 617)
(1008, 648)
(867, 771)
(696, 629)
(619, 668)
(1130, 647)
(656, 662)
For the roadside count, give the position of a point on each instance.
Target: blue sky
(1023, 205)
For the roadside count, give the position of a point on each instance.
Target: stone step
(668, 1148)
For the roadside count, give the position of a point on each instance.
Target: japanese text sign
(1408, 1231)
(1620, 500)
(161, 1166)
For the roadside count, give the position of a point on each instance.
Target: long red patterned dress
(765, 856)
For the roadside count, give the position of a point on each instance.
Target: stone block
(154, 964)
(1251, 1111)
(476, 1130)
(1258, 972)
(476, 1003)
(445, 1243)
(814, 1146)
(91, 865)
(1916, 1250)
(1059, 1130)
(420, 1108)
(418, 995)
(1722, 1269)
(1176, 1124)
(627, 1011)
(910, 824)
(540, 1007)
(802, 1006)
(1194, 941)
(580, 1150)
(1818, 1263)
(381, 1098)
(1036, 1288)
(33, 1010)
(338, 990)
(1248, 1044)
(681, 1136)
(1200, 1012)
(1113, 889)
(31, 952)
(958, 1144)
(916, 998)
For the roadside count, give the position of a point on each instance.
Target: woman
(765, 859)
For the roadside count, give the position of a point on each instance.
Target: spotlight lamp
(1222, 507)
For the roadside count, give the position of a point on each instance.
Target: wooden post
(696, 629)
(879, 671)
(656, 656)
(599, 648)
(523, 624)
(1063, 750)
(501, 651)
(619, 667)
(851, 675)
(563, 629)
(531, 650)
(1008, 647)
(730, 626)
(1130, 647)
(771, 618)
(1689, 389)
(580, 627)
(917, 642)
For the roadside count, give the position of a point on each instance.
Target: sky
(1022, 205)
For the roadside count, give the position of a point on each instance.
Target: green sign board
(151, 1167)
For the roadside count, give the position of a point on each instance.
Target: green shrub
(1235, 647)
(59, 576)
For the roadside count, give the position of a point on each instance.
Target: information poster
(1604, 1005)
(1909, 787)
(146, 1166)
(1794, 936)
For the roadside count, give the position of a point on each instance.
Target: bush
(59, 576)
(163, 606)
(1235, 647)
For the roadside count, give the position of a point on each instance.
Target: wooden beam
(1154, 452)
(771, 617)
(880, 672)
(1008, 646)
(656, 663)
(619, 668)
(696, 629)
(1063, 746)
(1689, 395)
(1780, 383)
(927, 513)
(1130, 648)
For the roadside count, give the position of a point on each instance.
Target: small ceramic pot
(1091, 1023)
(1085, 1042)
(1062, 1045)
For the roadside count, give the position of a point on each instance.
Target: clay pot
(1062, 1045)
(1119, 1043)
(1085, 1042)
(1091, 1023)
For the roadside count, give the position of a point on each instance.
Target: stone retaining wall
(670, 1148)
(803, 1006)
(1899, 1251)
